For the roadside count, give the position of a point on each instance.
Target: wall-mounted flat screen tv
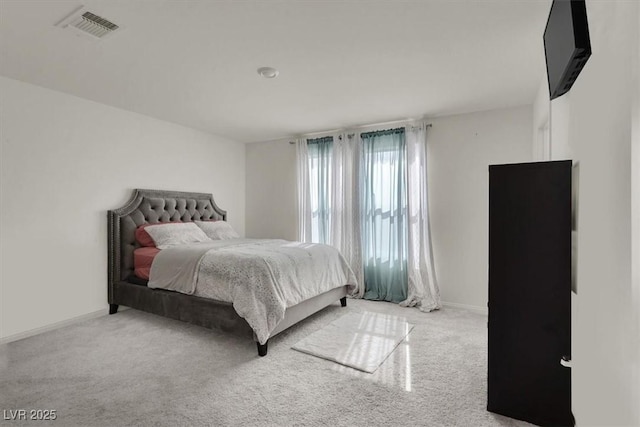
(566, 44)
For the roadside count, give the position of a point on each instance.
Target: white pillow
(178, 233)
(218, 230)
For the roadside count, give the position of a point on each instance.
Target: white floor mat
(358, 340)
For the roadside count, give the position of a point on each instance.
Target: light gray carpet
(134, 368)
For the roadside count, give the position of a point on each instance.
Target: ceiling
(342, 63)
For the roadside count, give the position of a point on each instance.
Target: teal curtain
(319, 152)
(384, 210)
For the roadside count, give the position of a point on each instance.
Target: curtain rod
(366, 126)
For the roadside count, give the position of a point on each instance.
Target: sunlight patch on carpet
(361, 341)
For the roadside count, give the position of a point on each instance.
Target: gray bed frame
(155, 206)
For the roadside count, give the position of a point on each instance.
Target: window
(320, 153)
(384, 210)
(366, 195)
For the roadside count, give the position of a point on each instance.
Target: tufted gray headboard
(151, 206)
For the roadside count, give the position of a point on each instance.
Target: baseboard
(57, 325)
(473, 308)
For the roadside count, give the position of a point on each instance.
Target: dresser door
(530, 291)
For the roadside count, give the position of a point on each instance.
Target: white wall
(541, 123)
(271, 190)
(594, 125)
(460, 149)
(635, 216)
(65, 162)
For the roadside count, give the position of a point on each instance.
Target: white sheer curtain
(345, 204)
(344, 197)
(304, 191)
(423, 290)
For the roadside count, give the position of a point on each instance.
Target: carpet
(138, 369)
(361, 341)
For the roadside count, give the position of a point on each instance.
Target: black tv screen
(566, 44)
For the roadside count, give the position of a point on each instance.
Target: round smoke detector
(268, 72)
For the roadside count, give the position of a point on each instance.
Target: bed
(124, 288)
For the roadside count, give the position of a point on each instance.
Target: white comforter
(260, 277)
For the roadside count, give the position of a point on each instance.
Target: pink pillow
(143, 238)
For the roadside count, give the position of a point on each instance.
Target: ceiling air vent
(85, 22)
